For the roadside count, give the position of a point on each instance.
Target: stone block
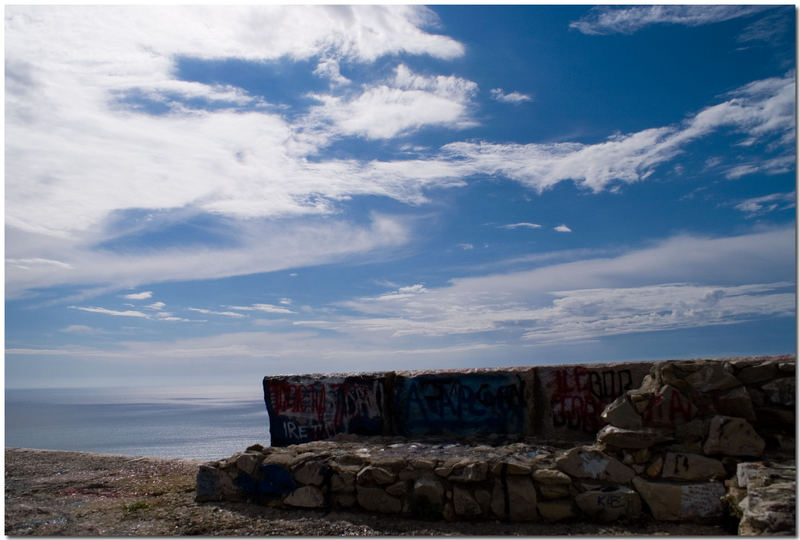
(733, 437)
(484, 498)
(629, 438)
(551, 477)
(769, 510)
(610, 503)
(553, 491)
(588, 462)
(474, 471)
(306, 497)
(498, 499)
(249, 462)
(556, 510)
(712, 376)
(521, 499)
(311, 472)
(208, 482)
(464, 504)
(344, 500)
(430, 489)
(373, 499)
(736, 402)
(678, 502)
(621, 413)
(375, 475)
(679, 466)
(759, 373)
(398, 489)
(780, 391)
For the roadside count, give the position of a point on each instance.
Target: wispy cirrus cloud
(717, 281)
(767, 203)
(264, 308)
(760, 112)
(211, 312)
(514, 97)
(522, 225)
(604, 20)
(112, 312)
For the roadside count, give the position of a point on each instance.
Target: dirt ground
(52, 493)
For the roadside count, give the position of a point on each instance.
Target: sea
(206, 423)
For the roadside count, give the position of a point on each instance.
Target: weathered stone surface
(654, 469)
(249, 462)
(780, 391)
(516, 466)
(306, 497)
(610, 503)
(695, 431)
(712, 376)
(551, 477)
(398, 489)
(769, 510)
(691, 467)
(673, 502)
(344, 478)
(628, 438)
(377, 500)
(736, 402)
(553, 491)
(484, 499)
(209, 484)
(556, 510)
(758, 373)
(377, 475)
(429, 488)
(464, 504)
(446, 467)
(469, 472)
(621, 413)
(311, 472)
(732, 437)
(521, 499)
(588, 462)
(424, 464)
(498, 499)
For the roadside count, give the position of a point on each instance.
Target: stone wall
(694, 441)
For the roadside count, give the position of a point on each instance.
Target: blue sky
(201, 195)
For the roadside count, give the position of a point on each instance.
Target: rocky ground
(51, 493)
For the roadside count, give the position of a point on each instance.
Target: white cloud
(763, 111)
(605, 20)
(512, 97)
(26, 264)
(156, 306)
(523, 225)
(144, 295)
(768, 203)
(405, 103)
(266, 308)
(466, 247)
(224, 313)
(81, 329)
(681, 282)
(104, 311)
(562, 228)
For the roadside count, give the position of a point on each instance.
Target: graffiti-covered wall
(461, 404)
(563, 402)
(307, 408)
(571, 398)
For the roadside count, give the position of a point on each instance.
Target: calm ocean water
(198, 423)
